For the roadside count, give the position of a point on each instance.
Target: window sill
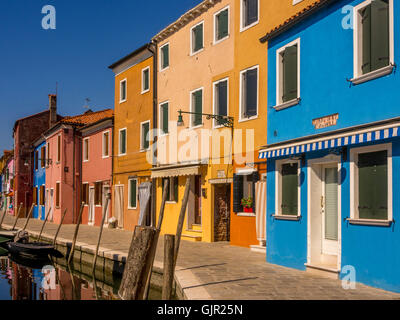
(246, 214)
(287, 104)
(171, 202)
(244, 28)
(220, 40)
(132, 208)
(122, 101)
(286, 217)
(145, 91)
(373, 75)
(248, 119)
(370, 222)
(192, 54)
(166, 68)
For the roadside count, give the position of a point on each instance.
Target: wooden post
(168, 270)
(59, 226)
(100, 233)
(138, 264)
(44, 223)
(181, 220)
(19, 212)
(28, 217)
(76, 233)
(162, 208)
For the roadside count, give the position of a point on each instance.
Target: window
(133, 185)
(42, 196)
(288, 188)
(197, 39)
(164, 117)
(220, 99)
(249, 15)
(249, 93)
(122, 142)
(372, 182)
(221, 23)
(48, 153)
(58, 148)
(244, 188)
(146, 80)
(86, 149)
(58, 194)
(145, 135)
(122, 91)
(164, 56)
(85, 193)
(172, 193)
(373, 36)
(106, 144)
(98, 187)
(43, 157)
(288, 73)
(35, 196)
(196, 105)
(36, 160)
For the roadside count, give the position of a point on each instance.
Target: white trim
(357, 36)
(296, 2)
(119, 141)
(279, 75)
(215, 40)
(214, 99)
(143, 71)
(192, 53)
(354, 177)
(129, 193)
(160, 121)
(161, 56)
(244, 28)
(142, 149)
(241, 118)
(191, 107)
(109, 144)
(85, 159)
(120, 90)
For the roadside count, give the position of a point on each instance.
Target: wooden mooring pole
(28, 217)
(18, 214)
(101, 232)
(44, 223)
(76, 233)
(168, 269)
(59, 227)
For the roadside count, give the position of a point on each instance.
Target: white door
(330, 210)
(119, 205)
(106, 190)
(91, 205)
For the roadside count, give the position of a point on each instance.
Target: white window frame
(103, 143)
(142, 149)
(354, 152)
(129, 193)
(192, 53)
(296, 1)
(143, 71)
(357, 36)
(161, 132)
(242, 27)
(192, 106)
(278, 187)
(85, 140)
(171, 187)
(279, 76)
(120, 90)
(119, 141)
(161, 56)
(216, 41)
(241, 118)
(215, 126)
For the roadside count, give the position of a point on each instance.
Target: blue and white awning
(335, 141)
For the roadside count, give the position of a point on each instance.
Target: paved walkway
(221, 271)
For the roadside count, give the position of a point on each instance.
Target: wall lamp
(221, 120)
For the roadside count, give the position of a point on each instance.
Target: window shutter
(223, 24)
(290, 73)
(146, 80)
(123, 141)
(251, 93)
(251, 11)
(237, 193)
(379, 34)
(176, 185)
(255, 179)
(289, 204)
(133, 193)
(198, 107)
(164, 108)
(222, 98)
(145, 131)
(198, 37)
(366, 40)
(165, 58)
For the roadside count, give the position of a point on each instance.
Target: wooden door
(222, 212)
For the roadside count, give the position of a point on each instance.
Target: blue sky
(90, 35)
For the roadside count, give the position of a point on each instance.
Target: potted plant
(247, 204)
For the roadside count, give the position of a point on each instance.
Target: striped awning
(329, 142)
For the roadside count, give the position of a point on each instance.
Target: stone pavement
(219, 271)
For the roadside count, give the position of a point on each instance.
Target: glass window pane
(289, 204)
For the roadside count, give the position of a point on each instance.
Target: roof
(299, 16)
(88, 118)
(132, 54)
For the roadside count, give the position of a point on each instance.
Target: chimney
(53, 109)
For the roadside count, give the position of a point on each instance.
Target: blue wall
(39, 179)
(326, 61)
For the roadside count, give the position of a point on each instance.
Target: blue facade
(370, 110)
(39, 180)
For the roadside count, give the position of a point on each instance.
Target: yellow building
(195, 74)
(133, 120)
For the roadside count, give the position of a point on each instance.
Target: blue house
(333, 150)
(39, 179)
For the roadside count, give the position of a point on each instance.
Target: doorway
(119, 205)
(91, 206)
(222, 214)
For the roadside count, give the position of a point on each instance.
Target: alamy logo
(348, 20)
(49, 20)
(349, 278)
(49, 278)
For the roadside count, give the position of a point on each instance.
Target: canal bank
(210, 271)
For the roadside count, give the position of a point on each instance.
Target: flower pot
(248, 210)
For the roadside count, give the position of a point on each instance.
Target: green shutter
(198, 107)
(123, 141)
(164, 109)
(198, 37)
(165, 57)
(290, 74)
(222, 28)
(373, 185)
(366, 40)
(222, 98)
(237, 193)
(251, 84)
(146, 79)
(133, 193)
(379, 34)
(289, 203)
(145, 139)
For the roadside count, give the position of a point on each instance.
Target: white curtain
(261, 215)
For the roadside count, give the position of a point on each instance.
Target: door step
(323, 270)
(189, 237)
(196, 227)
(258, 248)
